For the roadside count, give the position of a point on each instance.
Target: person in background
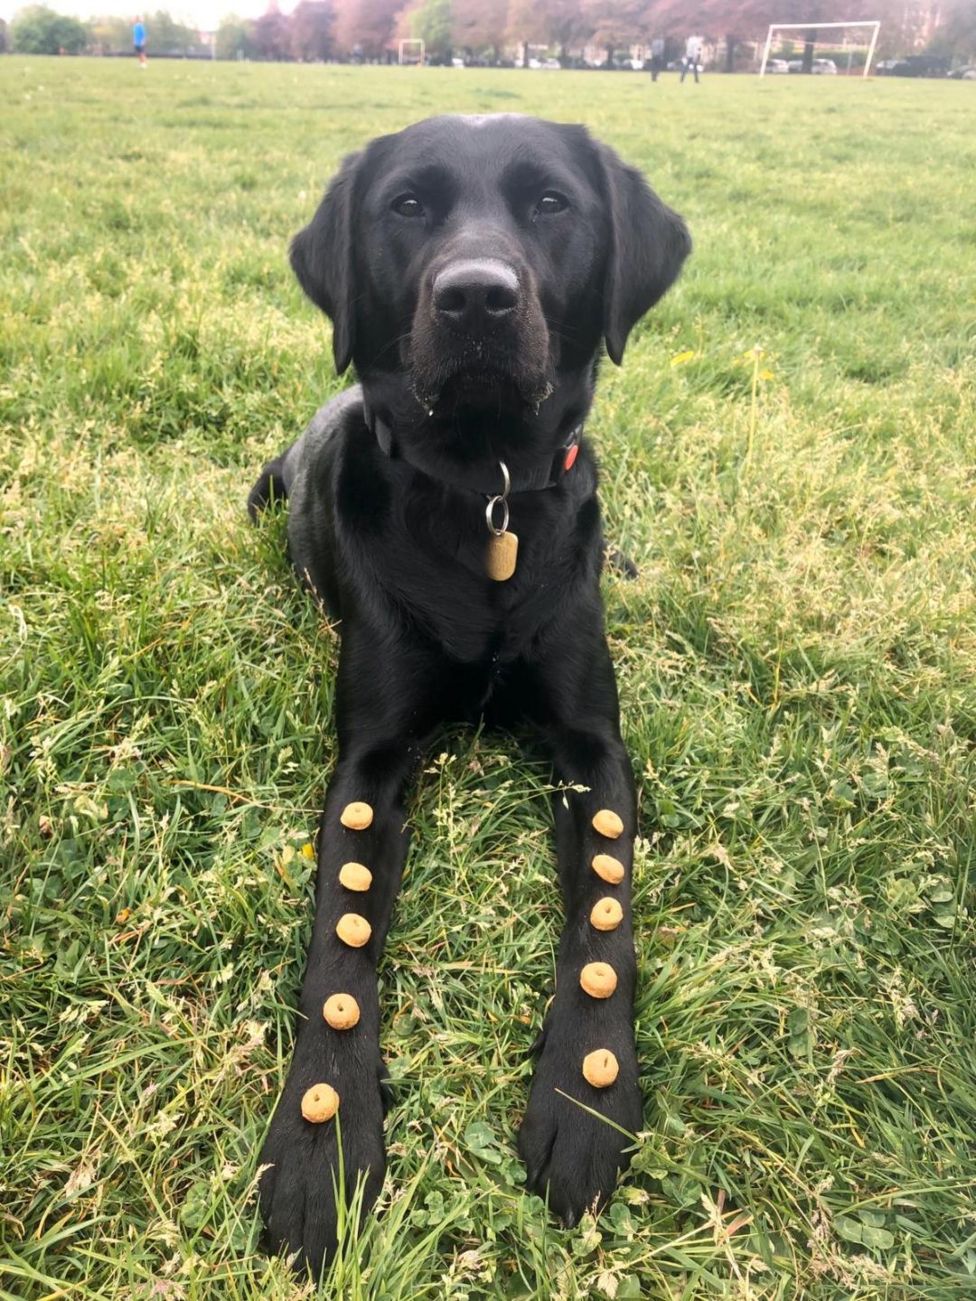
(693, 48)
(657, 56)
(139, 40)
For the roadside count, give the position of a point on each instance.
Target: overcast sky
(205, 15)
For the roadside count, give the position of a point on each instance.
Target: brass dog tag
(501, 556)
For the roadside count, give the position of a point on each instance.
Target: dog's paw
(620, 563)
(307, 1175)
(269, 488)
(571, 1139)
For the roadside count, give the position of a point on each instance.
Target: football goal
(839, 44)
(412, 51)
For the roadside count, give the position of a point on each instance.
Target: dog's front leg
(313, 1165)
(585, 1101)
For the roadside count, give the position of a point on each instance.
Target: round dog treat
(353, 930)
(598, 979)
(608, 824)
(600, 1068)
(357, 816)
(341, 1011)
(608, 869)
(607, 914)
(320, 1102)
(355, 877)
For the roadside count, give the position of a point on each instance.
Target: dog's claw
(537, 1044)
(387, 1090)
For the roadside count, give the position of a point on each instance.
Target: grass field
(789, 456)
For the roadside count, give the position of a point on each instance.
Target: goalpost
(813, 25)
(415, 54)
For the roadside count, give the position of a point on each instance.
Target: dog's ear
(322, 257)
(648, 243)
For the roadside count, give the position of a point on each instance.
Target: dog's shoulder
(333, 418)
(312, 462)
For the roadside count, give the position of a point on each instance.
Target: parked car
(964, 74)
(919, 65)
(819, 68)
(777, 65)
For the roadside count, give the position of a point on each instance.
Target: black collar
(529, 474)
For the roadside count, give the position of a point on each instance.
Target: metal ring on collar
(490, 514)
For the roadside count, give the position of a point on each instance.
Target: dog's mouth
(484, 381)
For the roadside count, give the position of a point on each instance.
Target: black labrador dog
(445, 510)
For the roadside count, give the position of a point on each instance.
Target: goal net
(412, 51)
(836, 47)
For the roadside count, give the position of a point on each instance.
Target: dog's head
(475, 264)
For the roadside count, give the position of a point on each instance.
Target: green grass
(796, 668)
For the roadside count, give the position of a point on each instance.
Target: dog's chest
(469, 616)
(437, 572)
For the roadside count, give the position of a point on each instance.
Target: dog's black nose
(474, 293)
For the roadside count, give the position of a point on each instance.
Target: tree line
(496, 31)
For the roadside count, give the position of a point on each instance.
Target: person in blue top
(139, 40)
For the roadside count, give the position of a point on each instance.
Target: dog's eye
(407, 206)
(551, 202)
